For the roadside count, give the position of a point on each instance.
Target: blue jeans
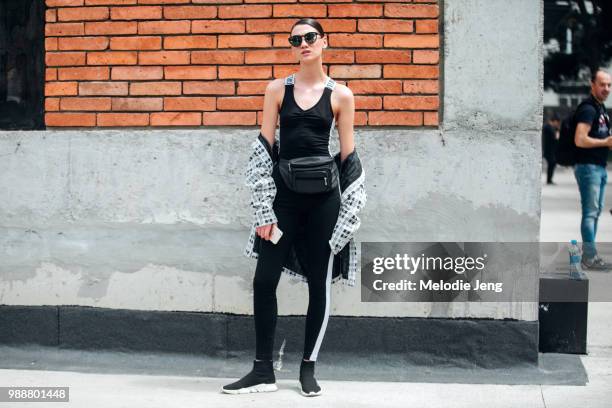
(591, 180)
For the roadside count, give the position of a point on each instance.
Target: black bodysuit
(303, 132)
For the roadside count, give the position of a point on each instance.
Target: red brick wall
(204, 62)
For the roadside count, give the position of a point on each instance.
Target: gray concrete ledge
(484, 343)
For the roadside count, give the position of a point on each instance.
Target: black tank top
(305, 132)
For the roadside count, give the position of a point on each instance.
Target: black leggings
(320, 211)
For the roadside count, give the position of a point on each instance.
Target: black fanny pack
(310, 174)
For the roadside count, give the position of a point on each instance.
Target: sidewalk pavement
(93, 387)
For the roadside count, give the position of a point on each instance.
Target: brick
(427, 26)
(190, 72)
(111, 27)
(137, 104)
(382, 56)
(85, 104)
(361, 119)
(62, 3)
(164, 27)
(52, 104)
(355, 40)
(137, 73)
(60, 88)
(135, 43)
(245, 11)
(244, 41)
(136, 13)
(64, 58)
(269, 57)
(425, 57)
(103, 88)
(391, 102)
(163, 1)
(368, 102)
(189, 12)
(51, 44)
(50, 74)
(383, 118)
(112, 58)
(281, 71)
(355, 10)
(84, 73)
(421, 87)
(375, 86)
(70, 119)
(245, 72)
(51, 16)
(331, 56)
(376, 25)
(61, 29)
(82, 14)
(208, 87)
(269, 25)
(252, 87)
(217, 26)
(411, 71)
(123, 119)
(155, 88)
(397, 10)
(202, 103)
(82, 43)
(412, 40)
(109, 2)
(229, 118)
(355, 71)
(176, 119)
(243, 103)
(179, 42)
(430, 118)
(163, 57)
(218, 1)
(294, 10)
(217, 57)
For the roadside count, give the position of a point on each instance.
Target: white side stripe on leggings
(315, 350)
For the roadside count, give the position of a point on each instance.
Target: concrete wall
(157, 220)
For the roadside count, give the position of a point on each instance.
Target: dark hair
(311, 22)
(594, 73)
(555, 117)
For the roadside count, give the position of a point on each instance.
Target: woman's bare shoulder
(276, 89)
(342, 92)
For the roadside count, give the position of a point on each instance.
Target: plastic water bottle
(575, 255)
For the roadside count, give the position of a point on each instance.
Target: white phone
(276, 234)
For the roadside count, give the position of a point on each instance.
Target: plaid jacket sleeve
(260, 182)
(352, 201)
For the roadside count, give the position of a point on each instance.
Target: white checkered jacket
(353, 198)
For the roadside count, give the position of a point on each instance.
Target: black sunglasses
(310, 38)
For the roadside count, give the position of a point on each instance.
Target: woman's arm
(268, 131)
(345, 120)
(270, 110)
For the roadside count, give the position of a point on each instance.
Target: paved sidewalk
(560, 222)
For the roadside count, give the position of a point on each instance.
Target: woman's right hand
(265, 231)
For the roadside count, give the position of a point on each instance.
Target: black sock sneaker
(309, 385)
(259, 379)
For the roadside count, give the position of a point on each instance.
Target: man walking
(550, 134)
(593, 142)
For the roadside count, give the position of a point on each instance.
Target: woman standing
(313, 197)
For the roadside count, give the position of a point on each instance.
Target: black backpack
(566, 148)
